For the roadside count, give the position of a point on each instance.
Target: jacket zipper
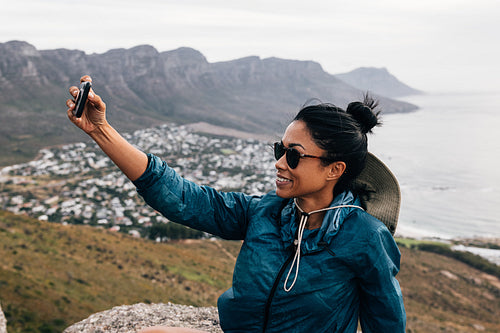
(273, 290)
(277, 280)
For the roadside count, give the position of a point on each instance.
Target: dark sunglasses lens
(292, 155)
(292, 158)
(279, 150)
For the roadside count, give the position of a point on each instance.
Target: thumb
(96, 101)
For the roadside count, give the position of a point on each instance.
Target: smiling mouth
(282, 180)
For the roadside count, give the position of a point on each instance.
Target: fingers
(94, 108)
(70, 104)
(85, 78)
(96, 100)
(73, 91)
(71, 116)
(70, 113)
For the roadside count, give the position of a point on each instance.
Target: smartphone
(81, 98)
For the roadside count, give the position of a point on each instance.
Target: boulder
(3, 321)
(132, 318)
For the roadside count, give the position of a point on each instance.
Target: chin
(284, 194)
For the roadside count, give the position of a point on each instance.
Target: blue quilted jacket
(347, 267)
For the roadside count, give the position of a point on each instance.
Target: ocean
(446, 156)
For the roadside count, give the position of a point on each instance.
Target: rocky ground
(3, 322)
(131, 318)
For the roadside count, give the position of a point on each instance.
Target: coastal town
(78, 184)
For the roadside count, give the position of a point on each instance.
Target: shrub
(468, 258)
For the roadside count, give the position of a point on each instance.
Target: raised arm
(131, 161)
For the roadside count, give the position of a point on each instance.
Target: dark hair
(342, 134)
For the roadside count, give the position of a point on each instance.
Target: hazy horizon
(431, 46)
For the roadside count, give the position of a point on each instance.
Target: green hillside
(53, 275)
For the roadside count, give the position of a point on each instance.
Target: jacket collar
(330, 226)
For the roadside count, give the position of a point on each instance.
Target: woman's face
(311, 182)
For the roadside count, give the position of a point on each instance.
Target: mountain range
(143, 87)
(377, 80)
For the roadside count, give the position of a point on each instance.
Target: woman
(312, 258)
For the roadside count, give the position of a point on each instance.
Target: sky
(431, 45)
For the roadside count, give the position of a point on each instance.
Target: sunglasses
(293, 156)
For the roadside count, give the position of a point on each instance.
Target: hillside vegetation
(53, 275)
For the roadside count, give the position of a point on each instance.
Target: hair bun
(363, 113)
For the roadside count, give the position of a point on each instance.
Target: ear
(336, 170)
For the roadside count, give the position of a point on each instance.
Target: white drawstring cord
(302, 225)
(297, 242)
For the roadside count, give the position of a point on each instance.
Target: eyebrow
(294, 145)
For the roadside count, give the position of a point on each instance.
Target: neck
(315, 221)
(317, 213)
(309, 205)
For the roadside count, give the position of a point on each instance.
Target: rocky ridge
(143, 87)
(377, 80)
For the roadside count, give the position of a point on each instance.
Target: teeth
(282, 179)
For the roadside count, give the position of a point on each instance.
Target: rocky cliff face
(142, 87)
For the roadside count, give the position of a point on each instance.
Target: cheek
(311, 178)
(314, 179)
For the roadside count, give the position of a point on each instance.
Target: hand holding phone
(81, 98)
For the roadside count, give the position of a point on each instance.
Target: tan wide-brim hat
(384, 195)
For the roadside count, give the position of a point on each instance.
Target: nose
(281, 163)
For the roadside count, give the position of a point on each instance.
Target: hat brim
(383, 199)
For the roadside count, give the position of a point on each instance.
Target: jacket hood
(315, 240)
